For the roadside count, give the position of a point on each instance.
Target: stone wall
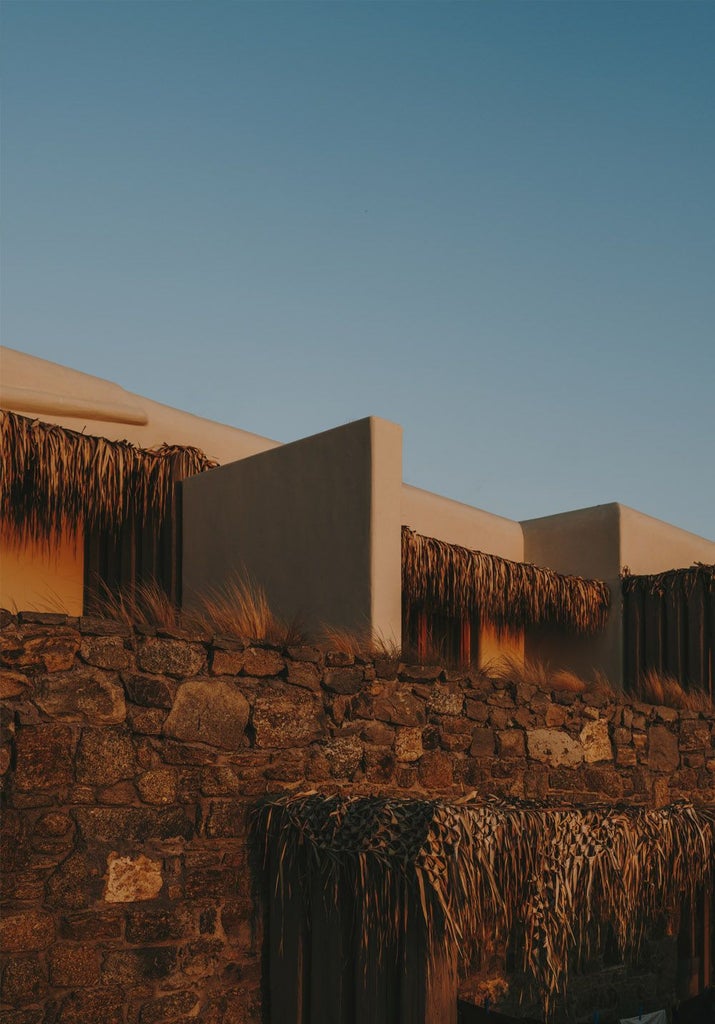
(130, 758)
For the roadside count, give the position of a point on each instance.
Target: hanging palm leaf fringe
(481, 871)
(53, 479)
(459, 582)
(676, 583)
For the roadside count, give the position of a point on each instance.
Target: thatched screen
(54, 479)
(351, 878)
(669, 625)
(458, 582)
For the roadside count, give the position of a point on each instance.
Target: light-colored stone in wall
(57, 394)
(316, 523)
(456, 523)
(34, 577)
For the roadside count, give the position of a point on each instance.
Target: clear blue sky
(490, 222)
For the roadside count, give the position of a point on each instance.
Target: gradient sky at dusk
(491, 222)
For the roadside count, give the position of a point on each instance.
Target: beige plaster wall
(316, 522)
(456, 523)
(57, 394)
(649, 545)
(33, 578)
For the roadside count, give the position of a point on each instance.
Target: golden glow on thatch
(54, 479)
(456, 581)
(550, 878)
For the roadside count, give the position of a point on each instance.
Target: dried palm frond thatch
(54, 479)
(675, 582)
(482, 870)
(511, 595)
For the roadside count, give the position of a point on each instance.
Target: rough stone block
(85, 695)
(477, 710)
(68, 885)
(25, 931)
(551, 746)
(344, 680)
(214, 712)
(435, 770)
(174, 1007)
(378, 733)
(90, 1006)
(227, 663)
(305, 653)
(23, 981)
(226, 819)
(132, 967)
(219, 781)
(260, 663)
(54, 824)
(173, 657)
(136, 824)
(663, 753)
(44, 757)
(105, 652)
(420, 673)
(74, 966)
(303, 674)
(511, 743)
(158, 924)
(12, 684)
(149, 691)
(287, 719)
(50, 650)
(445, 701)
(379, 764)
(158, 786)
(408, 744)
(90, 625)
(146, 721)
(400, 708)
(344, 757)
(454, 741)
(482, 743)
(98, 926)
(596, 742)
(555, 716)
(131, 879)
(105, 756)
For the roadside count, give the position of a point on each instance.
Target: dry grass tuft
(144, 604)
(366, 643)
(539, 673)
(654, 688)
(239, 608)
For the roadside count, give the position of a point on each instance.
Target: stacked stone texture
(131, 757)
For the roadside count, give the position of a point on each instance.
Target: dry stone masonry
(131, 757)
